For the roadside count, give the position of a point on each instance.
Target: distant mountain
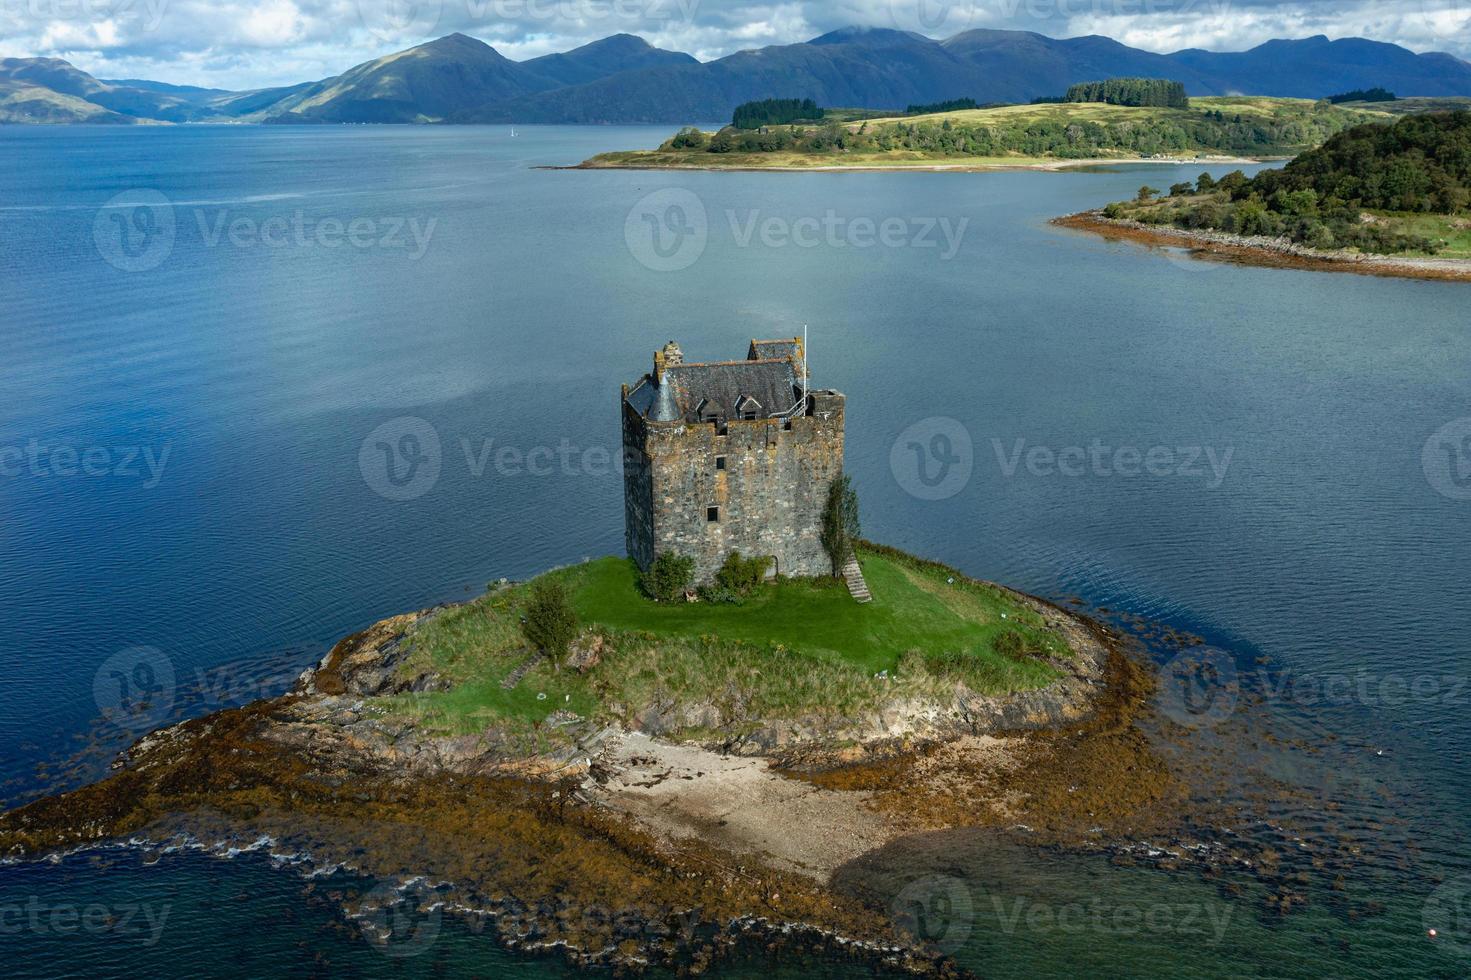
(876, 68)
(426, 83)
(623, 79)
(621, 52)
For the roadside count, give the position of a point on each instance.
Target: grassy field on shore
(799, 646)
(1013, 136)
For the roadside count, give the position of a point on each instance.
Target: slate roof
(773, 350)
(718, 386)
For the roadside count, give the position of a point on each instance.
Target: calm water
(194, 388)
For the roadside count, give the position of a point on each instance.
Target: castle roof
(695, 392)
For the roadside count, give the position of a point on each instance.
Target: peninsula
(1382, 199)
(1046, 136)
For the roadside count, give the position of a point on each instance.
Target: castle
(730, 456)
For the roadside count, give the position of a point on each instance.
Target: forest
(1352, 192)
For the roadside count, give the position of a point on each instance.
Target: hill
(1402, 188)
(1016, 134)
(623, 79)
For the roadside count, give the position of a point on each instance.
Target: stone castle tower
(729, 456)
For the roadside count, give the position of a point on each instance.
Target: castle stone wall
(770, 493)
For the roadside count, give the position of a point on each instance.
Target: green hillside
(1401, 188)
(1236, 127)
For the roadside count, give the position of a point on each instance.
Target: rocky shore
(1279, 253)
(619, 845)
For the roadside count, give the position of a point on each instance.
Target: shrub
(1016, 645)
(740, 575)
(550, 624)
(668, 577)
(688, 138)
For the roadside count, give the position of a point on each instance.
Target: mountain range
(623, 79)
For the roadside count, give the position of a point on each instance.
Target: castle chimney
(672, 354)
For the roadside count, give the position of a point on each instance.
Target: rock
(586, 652)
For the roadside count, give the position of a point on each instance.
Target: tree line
(1418, 164)
(774, 112)
(1132, 92)
(1288, 129)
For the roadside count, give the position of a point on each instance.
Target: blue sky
(253, 43)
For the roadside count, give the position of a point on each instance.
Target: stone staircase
(515, 676)
(853, 575)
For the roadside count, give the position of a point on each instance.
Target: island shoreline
(1272, 253)
(1046, 166)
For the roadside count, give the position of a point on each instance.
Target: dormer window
(708, 411)
(748, 408)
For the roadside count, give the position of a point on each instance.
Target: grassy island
(1401, 189)
(1044, 134)
(797, 646)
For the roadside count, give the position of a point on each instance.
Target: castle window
(712, 515)
(748, 408)
(708, 411)
(720, 462)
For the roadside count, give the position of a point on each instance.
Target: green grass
(800, 646)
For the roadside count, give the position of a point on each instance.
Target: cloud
(254, 43)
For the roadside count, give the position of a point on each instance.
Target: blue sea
(261, 387)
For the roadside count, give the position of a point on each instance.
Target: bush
(550, 624)
(688, 138)
(668, 577)
(1181, 189)
(737, 579)
(1016, 645)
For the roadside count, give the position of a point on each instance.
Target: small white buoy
(541, 695)
(1431, 933)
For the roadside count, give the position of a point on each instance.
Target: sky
(240, 44)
